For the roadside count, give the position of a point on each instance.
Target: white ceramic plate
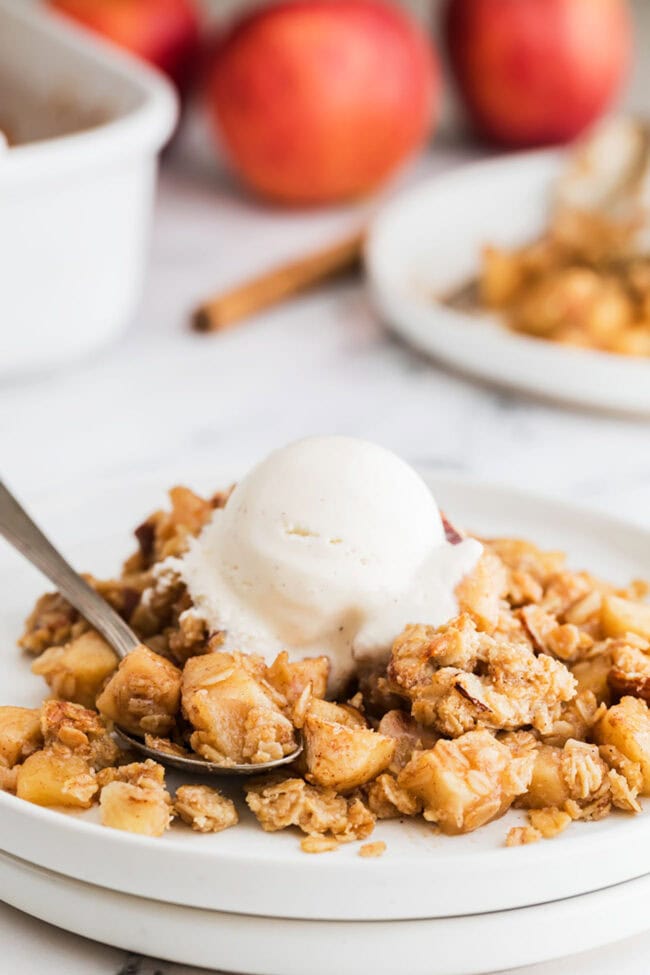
(428, 240)
(472, 945)
(245, 870)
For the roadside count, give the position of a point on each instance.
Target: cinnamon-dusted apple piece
(134, 798)
(236, 714)
(78, 670)
(465, 783)
(291, 678)
(341, 752)
(56, 776)
(626, 725)
(20, 734)
(143, 695)
(620, 616)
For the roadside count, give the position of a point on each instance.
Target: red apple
(534, 72)
(318, 100)
(163, 32)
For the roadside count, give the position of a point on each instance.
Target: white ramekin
(75, 209)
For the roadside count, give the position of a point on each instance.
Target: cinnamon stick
(229, 307)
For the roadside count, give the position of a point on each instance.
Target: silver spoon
(21, 532)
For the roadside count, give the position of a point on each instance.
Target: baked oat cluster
(534, 696)
(581, 284)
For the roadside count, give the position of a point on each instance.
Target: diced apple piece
(619, 616)
(20, 734)
(135, 809)
(291, 678)
(235, 716)
(56, 776)
(340, 753)
(547, 786)
(466, 782)
(143, 695)
(626, 725)
(77, 671)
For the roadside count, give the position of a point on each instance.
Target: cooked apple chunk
(279, 803)
(620, 616)
(143, 695)
(77, 671)
(235, 713)
(626, 725)
(481, 592)
(340, 752)
(467, 782)
(20, 734)
(56, 776)
(205, 809)
(134, 798)
(291, 678)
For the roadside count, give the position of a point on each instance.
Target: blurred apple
(163, 32)
(319, 100)
(534, 72)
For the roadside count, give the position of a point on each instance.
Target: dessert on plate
(325, 599)
(586, 281)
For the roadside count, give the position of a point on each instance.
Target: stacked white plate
(247, 901)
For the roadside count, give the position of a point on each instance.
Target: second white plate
(247, 871)
(428, 240)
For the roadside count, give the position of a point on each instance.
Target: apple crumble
(580, 284)
(534, 696)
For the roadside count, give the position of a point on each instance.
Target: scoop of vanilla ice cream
(329, 546)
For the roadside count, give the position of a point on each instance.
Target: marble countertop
(164, 401)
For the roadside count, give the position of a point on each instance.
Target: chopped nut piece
(205, 809)
(234, 712)
(143, 695)
(20, 734)
(278, 803)
(339, 752)
(55, 776)
(373, 849)
(467, 782)
(77, 671)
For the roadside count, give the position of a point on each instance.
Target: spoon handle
(21, 532)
